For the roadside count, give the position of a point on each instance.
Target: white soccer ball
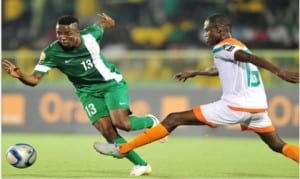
(21, 155)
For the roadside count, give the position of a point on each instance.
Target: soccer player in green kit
(98, 83)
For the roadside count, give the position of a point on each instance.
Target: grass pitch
(72, 156)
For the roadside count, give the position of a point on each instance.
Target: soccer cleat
(155, 123)
(108, 149)
(139, 170)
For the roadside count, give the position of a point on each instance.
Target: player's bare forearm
(242, 56)
(14, 71)
(31, 80)
(210, 71)
(183, 76)
(246, 57)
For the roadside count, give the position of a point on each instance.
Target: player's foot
(155, 123)
(108, 149)
(139, 170)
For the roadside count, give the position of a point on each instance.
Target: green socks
(132, 155)
(138, 123)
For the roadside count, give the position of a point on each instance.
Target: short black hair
(220, 19)
(67, 20)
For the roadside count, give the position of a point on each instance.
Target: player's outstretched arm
(14, 71)
(242, 56)
(183, 76)
(106, 21)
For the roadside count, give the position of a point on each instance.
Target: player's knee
(122, 124)
(171, 121)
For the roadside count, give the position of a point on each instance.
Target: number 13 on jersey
(90, 109)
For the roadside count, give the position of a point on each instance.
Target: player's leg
(109, 132)
(117, 101)
(122, 119)
(98, 113)
(273, 140)
(171, 122)
(160, 131)
(106, 128)
(261, 124)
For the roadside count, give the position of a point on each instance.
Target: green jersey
(85, 66)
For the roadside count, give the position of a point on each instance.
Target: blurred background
(152, 40)
(154, 24)
(169, 30)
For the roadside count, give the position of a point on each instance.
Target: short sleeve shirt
(84, 66)
(241, 81)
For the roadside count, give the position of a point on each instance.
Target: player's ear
(77, 30)
(219, 29)
(75, 26)
(222, 29)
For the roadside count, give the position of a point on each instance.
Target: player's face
(67, 35)
(211, 33)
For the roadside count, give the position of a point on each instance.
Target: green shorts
(98, 104)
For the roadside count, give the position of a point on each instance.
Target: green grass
(72, 156)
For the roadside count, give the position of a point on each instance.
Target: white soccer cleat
(108, 149)
(155, 123)
(139, 170)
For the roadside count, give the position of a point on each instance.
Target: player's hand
(292, 77)
(183, 76)
(11, 68)
(106, 21)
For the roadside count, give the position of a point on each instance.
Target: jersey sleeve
(45, 64)
(96, 30)
(226, 51)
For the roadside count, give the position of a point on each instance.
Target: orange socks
(147, 137)
(291, 151)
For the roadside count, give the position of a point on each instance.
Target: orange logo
(13, 109)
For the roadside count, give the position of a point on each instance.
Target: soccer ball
(21, 155)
